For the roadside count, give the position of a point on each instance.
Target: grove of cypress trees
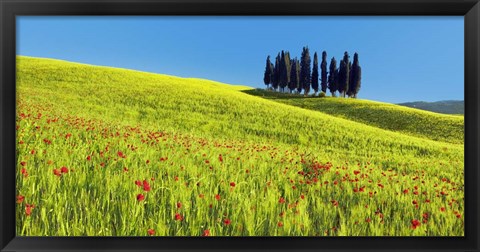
(315, 74)
(323, 67)
(332, 80)
(267, 78)
(305, 71)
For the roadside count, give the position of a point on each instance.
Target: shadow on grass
(269, 94)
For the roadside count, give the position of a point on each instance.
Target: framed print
(252, 125)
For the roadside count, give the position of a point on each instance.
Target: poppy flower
(120, 154)
(334, 203)
(151, 232)
(405, 191)
(415, 224)
(442, 209)
(232, 184)
(227, 222)
(206, 232)
(64, 169)
(28, 209)
(140, 197)
(280, 224)
(356, 172)
(89, 158)
(217, 196)
(178, 217)
(138, 182)
(57, 172)
(24, 172)
(23, 163)
(281, 200)
(20, 199)
(179, 205)
(146, 186)
(220, 158)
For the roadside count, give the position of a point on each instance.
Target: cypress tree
(341, 78)
(332, 80)
(297, 76)
(286, 70)
(315, 74)
(350, 80)
(357, 76)
(276, 73)
(267, 78)
(293, 84)
(323, 67)
(344, 75)
(305, 70)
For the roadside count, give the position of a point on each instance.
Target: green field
(188, 157)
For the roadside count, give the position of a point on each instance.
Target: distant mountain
(444, 107)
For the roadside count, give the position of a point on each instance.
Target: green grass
(175, 129)
(414, 122)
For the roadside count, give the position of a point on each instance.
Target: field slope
(410, 121)
(107, 151)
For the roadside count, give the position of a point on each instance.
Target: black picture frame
(470, 9)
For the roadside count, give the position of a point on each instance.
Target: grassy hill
(445, 107)
(414, 122)
(268, 167)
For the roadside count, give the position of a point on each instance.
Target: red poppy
(20, 199)
(28, 209)
(302, 196)
(201, 195)
(405, 191)
(217, 196)
(281, 200)
(120, 154)
(57, 172)
(415, 224)
(89, 158)
(414, 202)
(64, 169)
(232, 184)
(442, 209)
(140, 197)
(178, 217)
(368, 220)
(280, 224)
(24, 172)
(356, 172)
(458, 215)
(227, 222)
(179, 205)
(206, 232)
(146, 186)
(334, 203)
(23, 163)
(220, 158)
(138, 182)
(151, 232)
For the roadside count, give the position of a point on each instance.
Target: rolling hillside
(414, 122)
(184, 156)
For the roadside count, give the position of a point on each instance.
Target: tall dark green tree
(341, 78)
(323, 67)
(276, 73)
(294, 75)
(332, 78)
(350, 80)
(356, 77)
(267, 77)
(297, 76)
(285, 70)
(344, 75)
(315, 74)
(305, 70)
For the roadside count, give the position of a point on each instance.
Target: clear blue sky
(402, 58)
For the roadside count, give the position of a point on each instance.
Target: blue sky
(402, 58)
